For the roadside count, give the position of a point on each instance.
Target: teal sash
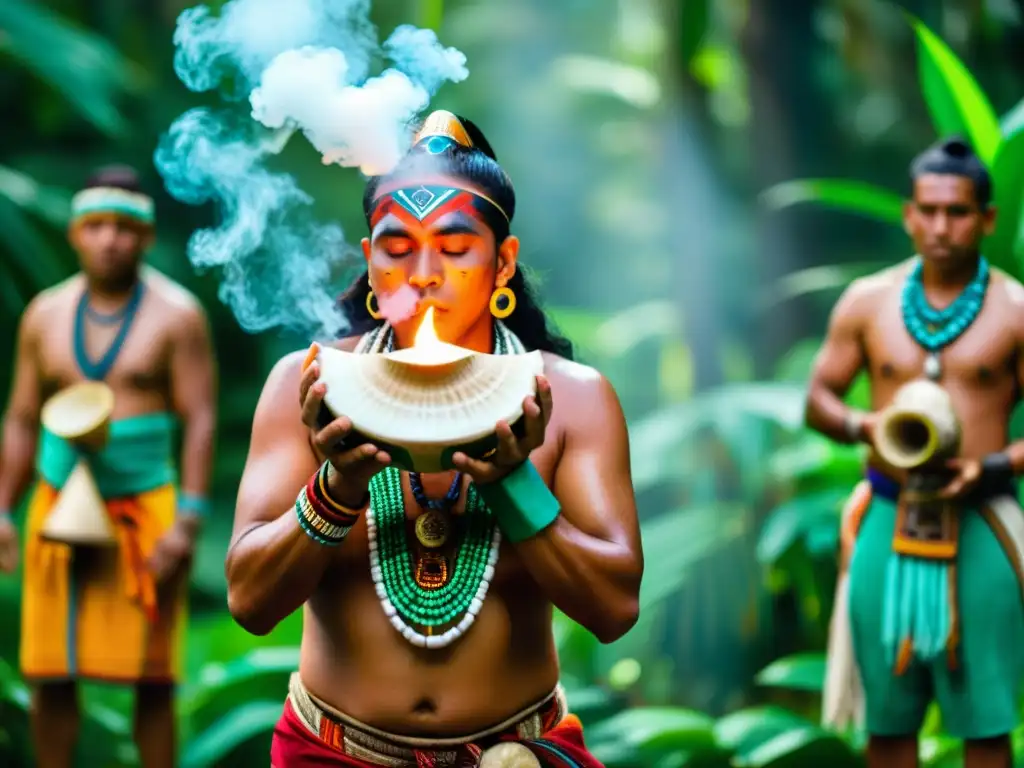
(138, 456)
(917, 605)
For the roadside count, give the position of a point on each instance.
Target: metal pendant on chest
(933, 366)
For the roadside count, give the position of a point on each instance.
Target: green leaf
(577, 648)
(955, 100)
(798, 748)
(843, 194)
(814, 280)
(674, 542)
(814, 460)
(693, 28)
(747, 729)
(224, 688)
(30, 262)
(237, 731)
(649, 728)
(52, 204)
(801, 671)
(1002, 247)
(657, 439)
(790, 521)
(81, 65)
(431, 14)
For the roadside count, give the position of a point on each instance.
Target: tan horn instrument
(919, 427)
(80, 414)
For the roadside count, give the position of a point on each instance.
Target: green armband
(521, 502)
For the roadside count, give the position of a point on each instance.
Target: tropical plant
(958, 106)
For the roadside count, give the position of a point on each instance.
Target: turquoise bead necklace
(935, 329)
(97, 370)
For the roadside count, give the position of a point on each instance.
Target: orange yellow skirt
(95, 614)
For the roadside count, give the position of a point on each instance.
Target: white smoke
(300, 66)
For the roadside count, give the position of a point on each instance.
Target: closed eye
(396, 246)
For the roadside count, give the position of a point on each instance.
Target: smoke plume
(306, 69)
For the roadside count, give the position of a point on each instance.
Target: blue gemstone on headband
(435, 145)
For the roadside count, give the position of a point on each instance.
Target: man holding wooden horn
(428, 595)
(108, 362)
(929, 603)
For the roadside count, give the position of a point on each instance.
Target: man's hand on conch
(8, 544)
(968, 475)
(512, 452)
(353, 468)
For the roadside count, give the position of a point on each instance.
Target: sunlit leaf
(747, 729)
(799, 747)
(657, 439)
(674, 542)
(955, 100)
(431, 14)
(223, 688)
(942, 751)
(813, 280)
(801, 671)
(25, 192)
(628, 328)
(1012, 121)
(843, 194)
(791, 520)
(816, 459)
(662, 727)
(1003, 246)
(251, 721)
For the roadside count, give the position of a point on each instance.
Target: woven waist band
(358, 740)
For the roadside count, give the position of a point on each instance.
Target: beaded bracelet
(193, 504)
(323, 519)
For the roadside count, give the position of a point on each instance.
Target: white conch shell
(80, 413)
(509, 755)
(427, 402)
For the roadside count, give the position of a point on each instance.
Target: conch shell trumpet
(424, 403)
(919, 427)
(81, 415)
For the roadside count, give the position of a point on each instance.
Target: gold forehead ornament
(442, 123)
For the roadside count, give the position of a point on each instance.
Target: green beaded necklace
(457, 602)
(935, 329)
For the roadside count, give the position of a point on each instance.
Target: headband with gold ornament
(440, 131)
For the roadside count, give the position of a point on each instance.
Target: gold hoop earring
(374, 313)
(510, 302)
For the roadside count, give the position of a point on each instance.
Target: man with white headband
(114, 613)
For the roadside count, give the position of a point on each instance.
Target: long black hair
(478, 166)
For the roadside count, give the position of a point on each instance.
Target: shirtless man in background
(113, 615)
(945, 315)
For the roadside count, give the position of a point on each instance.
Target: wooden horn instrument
(919, 427)
(81, 415)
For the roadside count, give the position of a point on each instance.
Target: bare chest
(983, 356)
(133, 358)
